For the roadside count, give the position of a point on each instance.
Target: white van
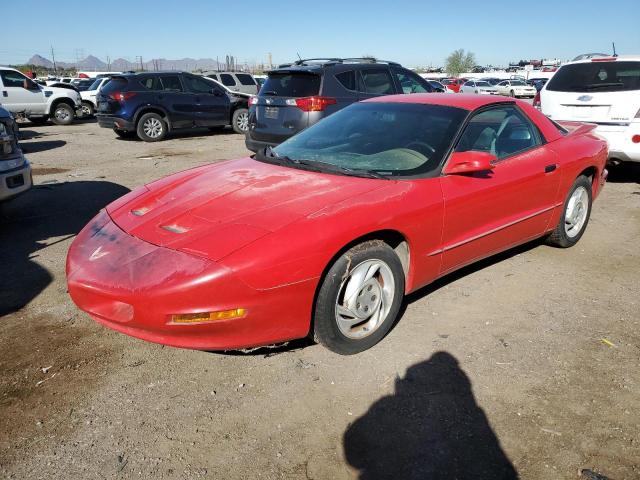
(604, 91)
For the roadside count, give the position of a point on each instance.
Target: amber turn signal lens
(208, 316)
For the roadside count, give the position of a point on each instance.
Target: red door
(492, 211)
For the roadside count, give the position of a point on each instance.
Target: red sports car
(325, 234)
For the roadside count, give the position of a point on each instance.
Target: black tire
(560, 237)
(124, 133)
(512, 93)
(87, 110)
(240, 120)
(325, 324)
(62, 114)
(151, 127)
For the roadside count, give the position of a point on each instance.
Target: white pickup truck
(22, 96)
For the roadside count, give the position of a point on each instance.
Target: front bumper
(135, 287)
(620, 141)
(113, 121)
(15, 181)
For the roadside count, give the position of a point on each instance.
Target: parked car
(240, 102)
(454, 84)
(152, 104)
(83, 84)
(23, 96)
(601, 90)
(478, 86)
(323, 235)
(300, 94)
(515, 88)
(492, 81)
(236, 81)
(437, 86)
(538, 83)
(15, 171)
(90, 96)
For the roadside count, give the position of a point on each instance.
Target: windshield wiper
(330, 167)
(593, 86)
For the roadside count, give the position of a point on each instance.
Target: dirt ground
(526, 365)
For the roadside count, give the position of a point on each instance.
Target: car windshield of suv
(291, 84)
(614, 76)
(518, 83)
(95, 84)
(373, 139)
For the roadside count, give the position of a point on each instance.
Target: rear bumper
(113, 121)
(135, 287)
(619, 138)
(16, 181)
(255, 145)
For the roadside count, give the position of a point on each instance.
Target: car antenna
(614, 49)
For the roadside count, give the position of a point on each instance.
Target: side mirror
(461, 163)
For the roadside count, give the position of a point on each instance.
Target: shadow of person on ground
(39, 218)
(41, 146)
(430, 428)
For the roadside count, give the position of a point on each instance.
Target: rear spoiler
(577, 128)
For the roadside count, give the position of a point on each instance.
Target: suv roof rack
(332, 61)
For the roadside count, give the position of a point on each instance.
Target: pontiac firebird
(323, 235)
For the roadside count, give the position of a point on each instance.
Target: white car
(24, 97)
(515, 88)
(478, 86)
(604, 91)
(89, 97)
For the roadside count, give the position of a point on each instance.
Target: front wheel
(359, 298)
(575, 215)
(87, 109)
(151, 127)
(512, 93)
(62, 114)
(240, 120)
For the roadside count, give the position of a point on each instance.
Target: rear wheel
(359, 298)
(240, 120)
(62, 114)
(575, 215)
(87, 109)
(151, 127)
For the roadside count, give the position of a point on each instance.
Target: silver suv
(236, 81)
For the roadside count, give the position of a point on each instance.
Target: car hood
(214, 210)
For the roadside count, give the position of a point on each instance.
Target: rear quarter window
(291, 85)
(114, 85)
(347, 80)
(227, 80)
(245, 79)
(616, 76)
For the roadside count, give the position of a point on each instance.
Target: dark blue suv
(150, 105)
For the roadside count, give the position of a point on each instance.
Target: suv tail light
(314, 104)
(121, 96)
(253, 100)
(536, 101)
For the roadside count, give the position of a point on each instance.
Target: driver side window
(12, 79)
(501, 131)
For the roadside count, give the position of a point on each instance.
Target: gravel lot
(528, 362)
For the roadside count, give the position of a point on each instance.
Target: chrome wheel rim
(152, 127)
(242, 121)
(86, 110)
(576, 213)
(364, 299)
(61, 113)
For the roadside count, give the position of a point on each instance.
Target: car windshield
(518, 83)
(482, 84)
(384, 138)
(614, 76)
(95, 85)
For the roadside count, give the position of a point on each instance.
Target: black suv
(299, 94)
(153, 104)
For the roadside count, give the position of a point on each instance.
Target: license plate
(271, 112)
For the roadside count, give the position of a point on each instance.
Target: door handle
(5, 93)
(550, 168)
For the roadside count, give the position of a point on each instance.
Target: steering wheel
(422, 147)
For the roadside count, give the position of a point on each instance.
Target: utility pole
(53, 57)
(108, 63)
(139, 57)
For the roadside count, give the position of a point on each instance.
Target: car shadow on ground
(185, 134)
(626, 172)
(38, 219)
(41, 146)
(430, 428)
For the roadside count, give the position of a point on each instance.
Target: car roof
(619, 58)
(460, 100)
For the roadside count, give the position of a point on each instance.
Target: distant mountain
(120, 64)
(40, 61)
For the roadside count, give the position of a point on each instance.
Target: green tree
(459, 62)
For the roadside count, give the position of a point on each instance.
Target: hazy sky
(411, 32)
